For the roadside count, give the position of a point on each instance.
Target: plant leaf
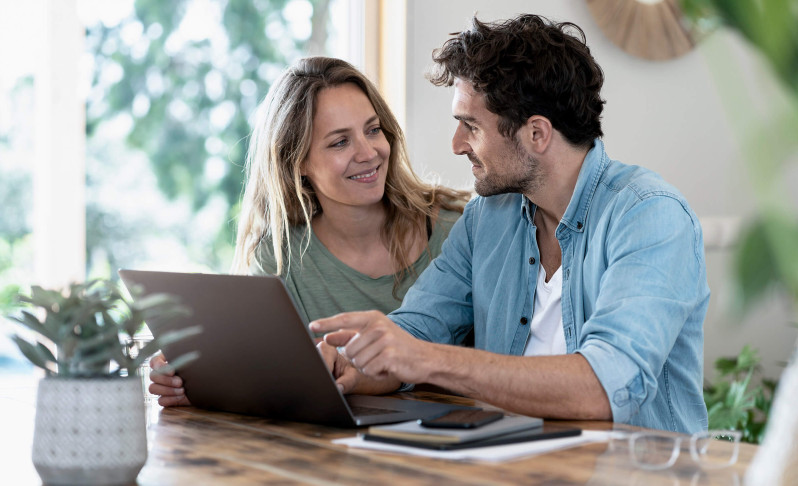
(35, 354)
(32, 322)
(170, 337)
(726, 366)
(747, 359)
(43, 298)
(755, 264)
(174, 336)
(178, 363)
(766, 257)
(153, 300)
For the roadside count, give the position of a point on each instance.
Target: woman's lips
(366, 176)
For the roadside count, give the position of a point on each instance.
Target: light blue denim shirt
(634, 288)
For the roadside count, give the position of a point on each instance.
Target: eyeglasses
(711, 449)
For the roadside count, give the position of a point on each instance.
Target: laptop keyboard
(360, 411)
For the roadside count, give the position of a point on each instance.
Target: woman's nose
(364, 150)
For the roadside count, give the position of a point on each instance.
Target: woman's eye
(375, 130)
(339, 143)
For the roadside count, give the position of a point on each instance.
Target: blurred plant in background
(767, 127)
(767, 252)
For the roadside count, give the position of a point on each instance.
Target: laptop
(257, 357)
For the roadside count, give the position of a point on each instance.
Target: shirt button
(523, 320)
(531, 260)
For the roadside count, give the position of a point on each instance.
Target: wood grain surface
(189, 446)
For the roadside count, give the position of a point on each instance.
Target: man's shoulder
(637, 182)
(628, 189)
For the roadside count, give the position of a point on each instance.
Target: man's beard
(524, 180)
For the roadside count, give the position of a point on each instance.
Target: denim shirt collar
(593, 167)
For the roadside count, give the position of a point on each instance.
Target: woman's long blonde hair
(277, 197)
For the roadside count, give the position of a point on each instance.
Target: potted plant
(90, 417)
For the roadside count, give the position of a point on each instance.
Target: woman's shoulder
(264, 260)
(444, 221)
(446, 218)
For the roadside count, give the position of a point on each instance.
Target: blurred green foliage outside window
(173, 85)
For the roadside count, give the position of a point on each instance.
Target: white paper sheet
(488, 454)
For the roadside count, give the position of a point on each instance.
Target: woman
(331, 203)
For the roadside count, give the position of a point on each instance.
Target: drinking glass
(134, 346)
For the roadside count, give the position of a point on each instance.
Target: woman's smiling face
(348, 159)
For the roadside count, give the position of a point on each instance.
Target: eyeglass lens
(715, 448)
(654, 451)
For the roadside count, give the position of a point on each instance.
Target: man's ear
(536, 133)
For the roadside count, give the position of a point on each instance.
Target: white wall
(666, 116)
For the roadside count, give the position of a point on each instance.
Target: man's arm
(551, 386)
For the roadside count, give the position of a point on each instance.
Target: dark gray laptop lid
(257, 357)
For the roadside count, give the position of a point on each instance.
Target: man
(583, 279)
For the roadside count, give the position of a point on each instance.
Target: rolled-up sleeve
(646, 294)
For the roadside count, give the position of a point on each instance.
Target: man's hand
(346, 376)
(167, 385)
(375, 346)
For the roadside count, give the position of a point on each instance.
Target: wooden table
(189, 446)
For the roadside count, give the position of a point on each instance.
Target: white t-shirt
(546, 333)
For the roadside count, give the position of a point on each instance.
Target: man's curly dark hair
(528, 66)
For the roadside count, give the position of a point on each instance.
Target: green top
(322, 285)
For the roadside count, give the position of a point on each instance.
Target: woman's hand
(167, 385)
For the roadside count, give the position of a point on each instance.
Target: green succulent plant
(89, 324)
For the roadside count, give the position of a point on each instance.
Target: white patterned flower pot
(90, 431)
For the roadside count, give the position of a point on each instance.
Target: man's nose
(459, 145)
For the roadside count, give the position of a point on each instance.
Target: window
(148, 172)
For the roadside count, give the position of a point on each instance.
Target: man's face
(499, 165)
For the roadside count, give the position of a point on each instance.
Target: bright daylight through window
(169, 88)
